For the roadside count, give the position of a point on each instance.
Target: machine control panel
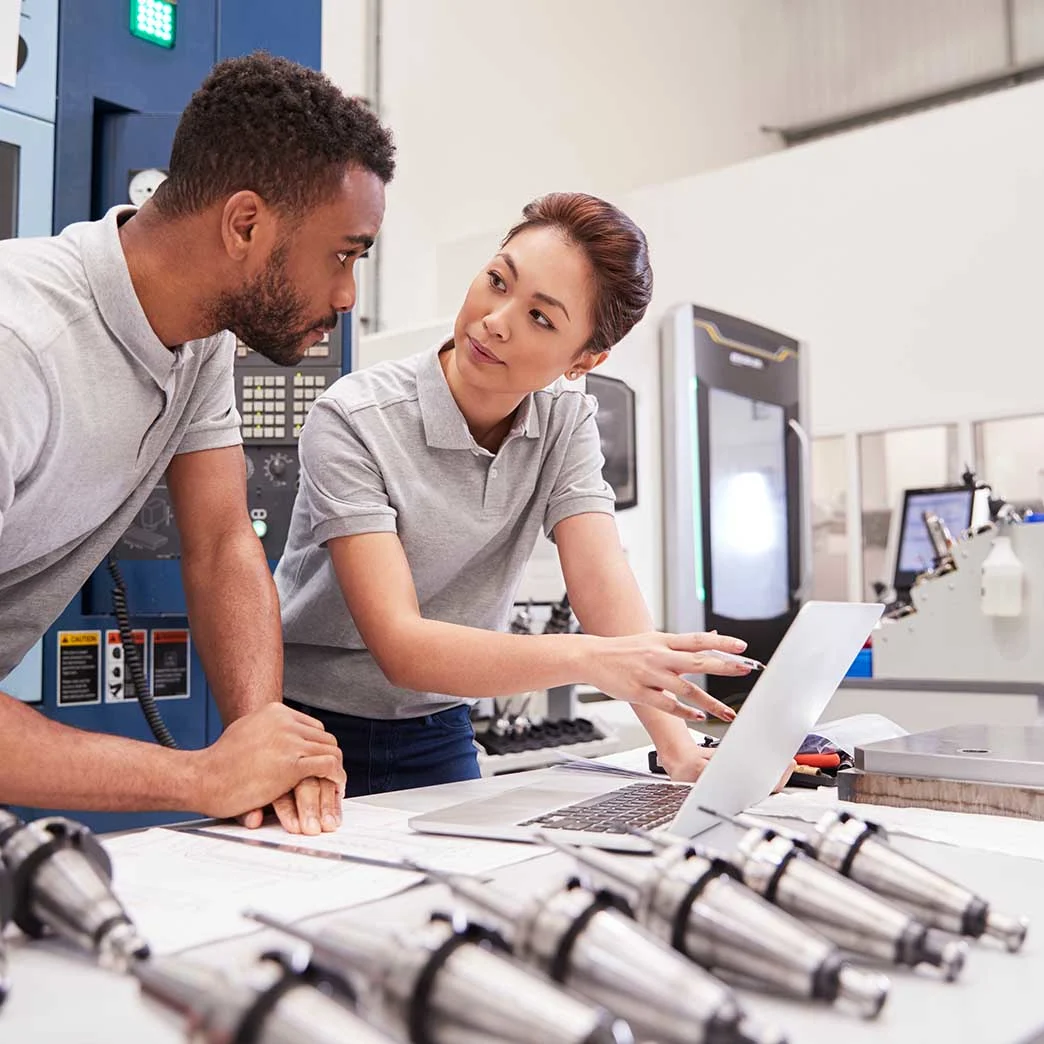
(273, 406)
(273, 401)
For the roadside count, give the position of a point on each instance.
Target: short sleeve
(25, 413)
(215, 422)
(342, 488)
(580, 487)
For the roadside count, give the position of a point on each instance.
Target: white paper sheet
(183, 890)
(10, 23)
(384, 833)
(859, 729)
(1018, 837)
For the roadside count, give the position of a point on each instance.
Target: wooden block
(946, 795)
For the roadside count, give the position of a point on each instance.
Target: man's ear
(243, 218)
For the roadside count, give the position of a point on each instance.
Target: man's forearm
(47, 765)
(234, 615)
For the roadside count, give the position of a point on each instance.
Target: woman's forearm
(431, 656)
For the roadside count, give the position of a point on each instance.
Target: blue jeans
(401, 753)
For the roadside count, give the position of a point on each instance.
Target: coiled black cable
(132, 658)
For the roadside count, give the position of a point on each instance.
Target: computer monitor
(914, 553)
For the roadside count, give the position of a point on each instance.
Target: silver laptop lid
(787, 700)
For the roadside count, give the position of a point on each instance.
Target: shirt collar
(110, 282)
(444, 424)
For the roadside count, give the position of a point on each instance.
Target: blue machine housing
(96, 102)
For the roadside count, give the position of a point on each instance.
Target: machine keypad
(274, 406)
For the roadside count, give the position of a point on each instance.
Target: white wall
(344, 55)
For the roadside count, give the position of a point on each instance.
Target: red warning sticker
(170, 664)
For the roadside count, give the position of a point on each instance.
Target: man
(114, 369)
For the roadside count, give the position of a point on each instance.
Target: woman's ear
(586, 363)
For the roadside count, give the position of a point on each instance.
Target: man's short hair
(274, 127)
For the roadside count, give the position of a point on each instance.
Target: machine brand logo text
(742, 359)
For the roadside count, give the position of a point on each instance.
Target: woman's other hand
(649, 669)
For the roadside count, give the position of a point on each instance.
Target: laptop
(787, 700)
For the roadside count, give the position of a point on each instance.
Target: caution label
(119, 679)
(170, 664)
(79, 668)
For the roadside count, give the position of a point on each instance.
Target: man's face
(308, 277)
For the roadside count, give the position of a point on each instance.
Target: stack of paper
(184, 890)
(375, 832)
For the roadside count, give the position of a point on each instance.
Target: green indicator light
(155, 21)
(260, 528)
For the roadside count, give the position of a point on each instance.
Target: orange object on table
(819, 760)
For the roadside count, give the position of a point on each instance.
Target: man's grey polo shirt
(387, 450)
(92, 409)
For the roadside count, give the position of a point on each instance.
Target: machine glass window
(830, 494)
(1010, 458)
(891, 462)
(9, 157)
(748, 497)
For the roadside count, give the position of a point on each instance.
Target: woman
(424, 486)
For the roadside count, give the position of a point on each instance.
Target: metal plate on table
(983, 753)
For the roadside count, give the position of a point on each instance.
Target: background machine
(737, 482)
(89, 125)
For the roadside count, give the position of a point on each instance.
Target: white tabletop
(58, 996)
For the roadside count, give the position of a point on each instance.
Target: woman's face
(527, 316)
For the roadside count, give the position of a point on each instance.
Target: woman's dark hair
(275, 127)
(616, 250)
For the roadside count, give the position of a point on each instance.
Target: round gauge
(144, 184)
(249, 467)
(277, 468)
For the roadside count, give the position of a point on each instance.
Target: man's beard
(268, 315)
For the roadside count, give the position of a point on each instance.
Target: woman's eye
(542, 320)
(342, 258)
(496, 281)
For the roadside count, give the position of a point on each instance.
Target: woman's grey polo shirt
(387, 450)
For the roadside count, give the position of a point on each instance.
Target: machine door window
(749, 549)
(9, 161)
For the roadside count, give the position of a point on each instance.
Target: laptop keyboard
(642, 805)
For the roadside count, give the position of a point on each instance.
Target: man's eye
(344, 256)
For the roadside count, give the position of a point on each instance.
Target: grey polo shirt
(92, 409)
(386, 450)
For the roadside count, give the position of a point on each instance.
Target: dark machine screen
(915, 552)
(9, 156)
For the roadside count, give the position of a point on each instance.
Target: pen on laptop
(743, 661)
